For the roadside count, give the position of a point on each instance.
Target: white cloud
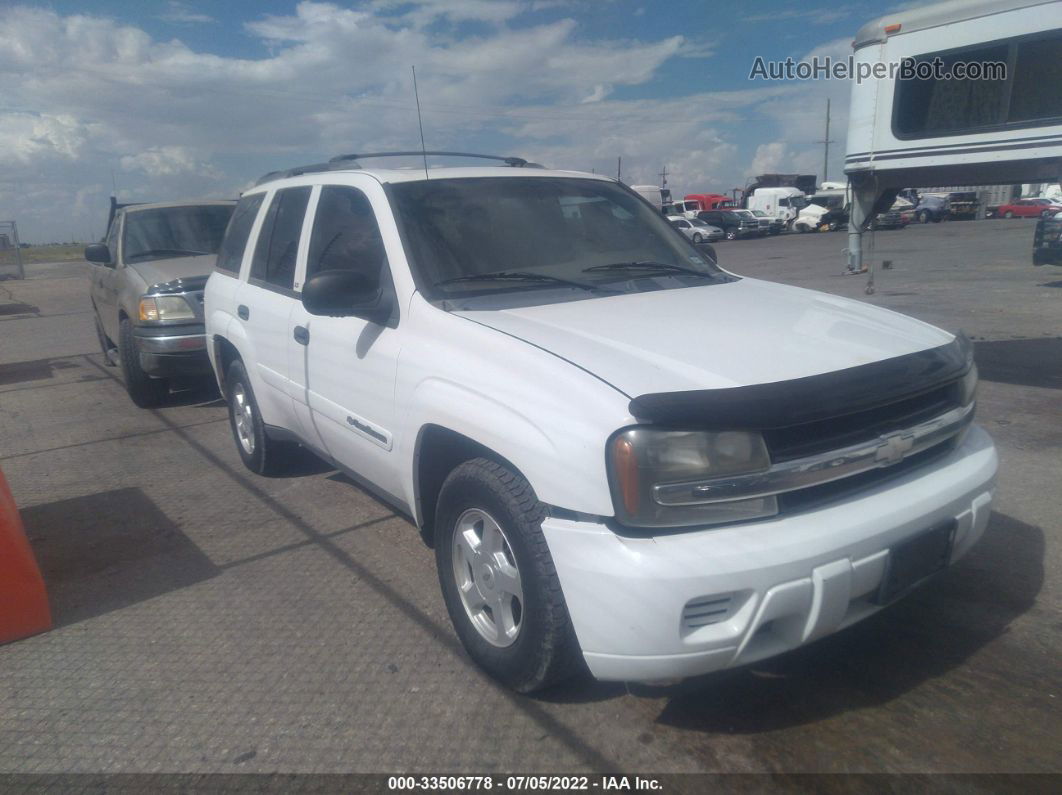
(87, 96)
(163, 161)
(183, 14)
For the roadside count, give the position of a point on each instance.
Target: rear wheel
(145, 391)
(498, 578)
(697, 237)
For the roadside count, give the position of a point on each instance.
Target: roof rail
(340, 162)
(515, 162)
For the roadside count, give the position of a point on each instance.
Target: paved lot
(212, 620)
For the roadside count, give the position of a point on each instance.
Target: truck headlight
(164, 308)
(656, 475)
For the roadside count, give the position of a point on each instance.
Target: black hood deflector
(810, 399)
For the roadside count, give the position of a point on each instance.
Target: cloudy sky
(169, 99)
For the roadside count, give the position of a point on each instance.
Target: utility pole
(826, 144)
(619, 167)
(663, 177)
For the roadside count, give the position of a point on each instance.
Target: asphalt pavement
(210, 620)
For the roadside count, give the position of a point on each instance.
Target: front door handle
(243, 312)
(302, 335)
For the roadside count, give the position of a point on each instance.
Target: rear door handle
(302, 335)
(243, 312)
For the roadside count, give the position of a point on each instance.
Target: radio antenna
(423, 148)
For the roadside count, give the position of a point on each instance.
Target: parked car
(146, 287)
(891, 219)
(523, 362)
(1028, 208)
(774, 226)
(734, 226)
(931, 208)
(697, 230)
(1047, 240)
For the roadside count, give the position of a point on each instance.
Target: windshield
(458, 231)
(168, 232)
(698, 222)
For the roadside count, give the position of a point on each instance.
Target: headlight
(656, 476)
(164, 308)
(968, 386)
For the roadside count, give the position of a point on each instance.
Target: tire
(731, 234)
(533, 645)
(697, 237)
(145, 391)
(105, 343)
(259, 453)
(1008, 214)
(923, 217)
(802, 228)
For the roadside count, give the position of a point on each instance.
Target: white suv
(623, 455)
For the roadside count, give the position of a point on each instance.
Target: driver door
(343, 369)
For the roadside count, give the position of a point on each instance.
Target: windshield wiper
(523, 276)
(162, 253)
(646, 265)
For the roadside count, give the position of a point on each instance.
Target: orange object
(23, 598)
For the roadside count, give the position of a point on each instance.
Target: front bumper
(635, 602)
(177, 351)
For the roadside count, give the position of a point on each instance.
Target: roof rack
(350, 161)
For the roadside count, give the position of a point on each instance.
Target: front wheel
(731, 234)
(923, 217)
(145, 391)
(697, 237)
(498, 578)
(1008, 214)
(259, 453)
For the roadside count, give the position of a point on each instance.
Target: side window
(230, 255)
(278, 242)
(345, 234)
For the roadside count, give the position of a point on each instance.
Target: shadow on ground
(1028, 362)
(110, 550)
(920, 638)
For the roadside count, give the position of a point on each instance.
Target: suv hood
(714, 337)
(166, 270)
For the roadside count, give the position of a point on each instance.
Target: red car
(1028, 208)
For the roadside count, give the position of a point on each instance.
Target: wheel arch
(437, 452)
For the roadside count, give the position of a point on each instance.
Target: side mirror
(344, 293)
(99, 253)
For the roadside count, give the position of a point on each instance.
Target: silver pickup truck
(146, 283)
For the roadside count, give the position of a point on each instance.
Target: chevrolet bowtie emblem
(893, 448)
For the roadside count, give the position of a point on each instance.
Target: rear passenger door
(344, 368)
(265, 301)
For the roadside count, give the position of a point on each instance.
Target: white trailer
(940, 128)
(651, 193)
(782, 203)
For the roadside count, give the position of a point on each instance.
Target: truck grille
(798, 441)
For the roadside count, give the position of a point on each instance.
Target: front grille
(705, 610)
(817, 496)
(799, 441)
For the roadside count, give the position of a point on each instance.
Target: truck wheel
(105, 344)
(1008, 214)
(498, 579)
(259, 453)
(145, 391)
